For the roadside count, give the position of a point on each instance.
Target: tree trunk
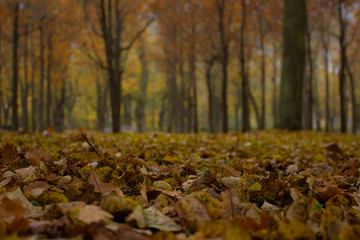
(15, 67)
(292, 75)
(256, 109)
(342, 80)
(127, 103)
(244, 80)
(32, 82)
(42, 71)
(325, 45)
(309, 103)
(263, 73)
(25, 85)
(354, 105)
(211, 97)
(140, 108)
(274, 81)
(221, 6)
(48, 93)
(1, 68)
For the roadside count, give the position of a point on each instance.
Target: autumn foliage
(266, 185)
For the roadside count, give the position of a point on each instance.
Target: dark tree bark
(1, 70)
(263, 73)
(101, 93)
(309, 101)
(141, 103)
(25, 85)
(292, 75)
(342, 78)
(32, 86)
(192, 73)
(274, 83)
(354, 104)
(224, 42)
(244, 77)
(127, 102)
(42, 72)
(48, 91)
(15, 67)
(325, 45)
(211, 117)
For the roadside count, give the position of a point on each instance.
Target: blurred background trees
(179, 65)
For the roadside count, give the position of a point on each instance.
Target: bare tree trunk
(48, 93)
(141, 103)
(309, 103)
(342, 78)
(354, 104)
(15, 67)
(221, 6)
(263, 73)
(42, 70)
(292, 75)
(256, 109)
(325, 45)
(32, 82)
(25, 85)
(1, 68)
(192, 62)
(244, 80)
(211, 97)
(274, 81)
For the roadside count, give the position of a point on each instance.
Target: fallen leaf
(8, 154)
(100, 186)
(192, 212)
(93, 214)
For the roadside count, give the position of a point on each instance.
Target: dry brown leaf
(37, 188)
(36, 156)
(8, 154)
(26, 172)
(12, 209)
(192, 212)
(93, 214)
(100, 186)
(5, 182)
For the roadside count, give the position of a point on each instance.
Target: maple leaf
(8, 154)
(12, 209)
(93, 214)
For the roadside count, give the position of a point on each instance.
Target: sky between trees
(179, 65)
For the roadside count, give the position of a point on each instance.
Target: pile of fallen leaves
(266, 185)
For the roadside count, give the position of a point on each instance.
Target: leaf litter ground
(265, 185)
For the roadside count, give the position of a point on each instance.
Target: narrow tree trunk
(1, 68)
(32, 82)
(211, 120)
(325, 45)
(244, 80)
(25, 85)
(263, 73)
(309, 83)
(48, 93)
(256, 109)
(342, 80)
(221, 6)
(15, 68)
(274, 81)
(42, 71)
(354, 105)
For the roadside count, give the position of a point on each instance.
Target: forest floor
(264, 185)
